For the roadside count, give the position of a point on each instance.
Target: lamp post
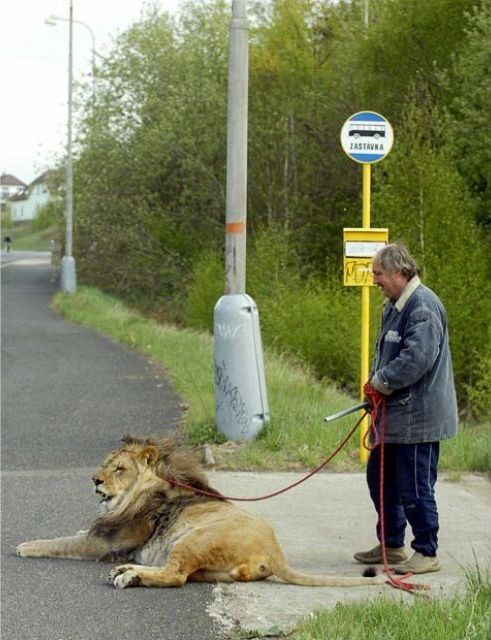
(68, 271)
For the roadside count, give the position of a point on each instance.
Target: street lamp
(68, 271)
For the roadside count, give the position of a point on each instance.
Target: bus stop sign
(367, 137)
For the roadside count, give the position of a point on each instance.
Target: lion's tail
(284, 572)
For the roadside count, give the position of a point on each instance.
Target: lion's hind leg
(245, 572)
(250, 571)
(177, 571)
(210, 575)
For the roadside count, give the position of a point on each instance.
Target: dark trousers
(410, 472)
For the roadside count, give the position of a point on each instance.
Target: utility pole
(241, 404)
(236, 194)
(68, 272)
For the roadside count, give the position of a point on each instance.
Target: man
(412, 368)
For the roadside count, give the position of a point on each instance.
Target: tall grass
(297, 435)
(458, 618)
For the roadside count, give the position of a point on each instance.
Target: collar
(407, 293)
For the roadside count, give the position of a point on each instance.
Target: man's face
(391, 283)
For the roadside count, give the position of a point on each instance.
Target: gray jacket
(413, 368)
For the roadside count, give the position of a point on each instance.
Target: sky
(34, 72)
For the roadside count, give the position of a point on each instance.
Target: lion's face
(121, 471)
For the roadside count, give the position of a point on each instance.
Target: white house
(26, 204)
(9, 186)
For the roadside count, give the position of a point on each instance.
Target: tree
(150, 172)
(467, 122)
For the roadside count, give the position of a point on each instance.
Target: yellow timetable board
(359, 247)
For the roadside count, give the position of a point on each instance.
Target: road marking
(31, 262)
(46, 473)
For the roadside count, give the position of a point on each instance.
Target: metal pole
(236, 194)
(365, 311)
(68, 273)
(241, 402)
(69, 164)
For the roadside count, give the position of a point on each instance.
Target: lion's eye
(120, 469)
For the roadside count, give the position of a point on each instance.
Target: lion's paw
(123, 577)
(26, 549)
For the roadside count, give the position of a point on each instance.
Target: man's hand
(372, 395)
(380, 386)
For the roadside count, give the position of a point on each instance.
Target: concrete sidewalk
(321, 523)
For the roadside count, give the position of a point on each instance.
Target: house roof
(11, 181)
(47, 177)
(42, 178)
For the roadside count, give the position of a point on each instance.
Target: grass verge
(296, 437)
(24, 238)
(458, 618)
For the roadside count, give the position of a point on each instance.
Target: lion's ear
(150, 455)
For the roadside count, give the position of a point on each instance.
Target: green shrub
(205, 290)
(480, 391)
(319, 324)
(318, 321)
(49, 215)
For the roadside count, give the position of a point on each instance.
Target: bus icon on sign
(367, 130)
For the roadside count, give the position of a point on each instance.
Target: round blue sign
(367, 137)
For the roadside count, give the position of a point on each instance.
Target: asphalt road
(68, 396)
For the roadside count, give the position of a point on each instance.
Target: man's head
(393, 267)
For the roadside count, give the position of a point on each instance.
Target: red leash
(377, 417)
(275, 493)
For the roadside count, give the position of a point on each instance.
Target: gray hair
(396, 257)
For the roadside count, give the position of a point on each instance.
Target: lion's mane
(161, 502)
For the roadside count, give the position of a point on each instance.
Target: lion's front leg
(134, 575)
(78, 547)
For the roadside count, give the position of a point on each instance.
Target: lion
(167, 534)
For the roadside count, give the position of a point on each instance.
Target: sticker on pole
(360, 245)
(367, 137)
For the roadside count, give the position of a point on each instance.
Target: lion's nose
(97, 481)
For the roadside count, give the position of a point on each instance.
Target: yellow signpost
(360, 245)
(366, 137)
